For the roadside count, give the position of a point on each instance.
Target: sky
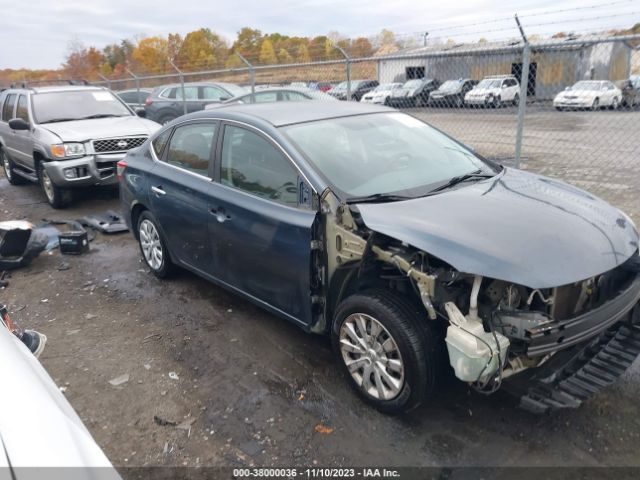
(37, 33)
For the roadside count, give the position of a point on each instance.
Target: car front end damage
(553, 347)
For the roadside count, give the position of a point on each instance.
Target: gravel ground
(250, 388)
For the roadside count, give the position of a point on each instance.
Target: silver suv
(66, 137)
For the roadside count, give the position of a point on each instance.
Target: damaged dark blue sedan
(411, 251)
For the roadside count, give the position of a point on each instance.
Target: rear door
(261, 228)
(8, 135)
(179, 191)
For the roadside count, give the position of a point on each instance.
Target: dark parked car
(414, 93)
(283, 94)
(368, 225)
(358, 89)
(134, 98)
(630, 93)
(451, 93)
(165, 102)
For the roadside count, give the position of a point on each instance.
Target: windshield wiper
(56, 120)
(100, 115)
(477, 175)
(377, 197)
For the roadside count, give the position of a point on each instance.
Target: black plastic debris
(74, 242)
(108, 222)
(20, 243)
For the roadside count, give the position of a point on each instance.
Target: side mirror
(18, 124)
(224, 98)
(141, 112)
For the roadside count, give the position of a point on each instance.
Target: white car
(380, 95)
(38, 426)
(494, 91)
(593, 94)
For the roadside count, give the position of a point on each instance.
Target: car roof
(64, 88)
(280, 114)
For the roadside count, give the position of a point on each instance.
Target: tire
(9, 170)
(516, 100)
(595, 105)
(615, 103)
(410, 346)
(166, 118)
(56, 196)
(153, 247)
(459, 103)
(560, 109)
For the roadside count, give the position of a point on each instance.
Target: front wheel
(56, 196)
(516, 100)
(388, 356)
(595, 105)
(615, 103)
(153, 247)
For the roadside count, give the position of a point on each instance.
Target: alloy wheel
(47, 185)
(372, 356)
(151, 245)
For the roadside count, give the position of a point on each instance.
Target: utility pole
(424, 36)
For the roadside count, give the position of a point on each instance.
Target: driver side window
(252, 164)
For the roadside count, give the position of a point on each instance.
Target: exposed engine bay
(494, 329)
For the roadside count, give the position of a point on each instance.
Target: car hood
(484, 91)
(517, 226)
(448, 91)
(83, 130)
(38, 427)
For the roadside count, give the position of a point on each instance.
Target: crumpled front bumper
(90, 170)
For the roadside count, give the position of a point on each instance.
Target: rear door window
(7, 108)
(212, 93)
(190, 147)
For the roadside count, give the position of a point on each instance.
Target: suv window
(22, 110)
(129, 97)
(252, 164)
(211, 93)
(7, 108)
(190, 147)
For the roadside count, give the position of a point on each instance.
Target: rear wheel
(615, 103)
(386, 353)
(516, 100)
(9, 170)
(595, 105)
(459, 102)
(56, 196)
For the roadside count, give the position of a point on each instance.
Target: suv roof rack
(34, 83)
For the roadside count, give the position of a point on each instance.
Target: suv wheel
(516, 100)
(9, 170)
(388, 356)
(56, 196)
(153, 247)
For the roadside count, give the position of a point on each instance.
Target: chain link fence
(568, 108)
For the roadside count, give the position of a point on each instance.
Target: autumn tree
(202, 49)
(152, 54)
(284, 56)
(361, 47)
(82, 62)
(248, 42)
(267, 53)
(303, 54)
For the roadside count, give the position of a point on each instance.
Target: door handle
(220, 214)
(158, 190)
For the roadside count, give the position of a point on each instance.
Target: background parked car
(451, 93)
(630, 93)
(322, 86)
(275, 95)
(494, 91)
(414, 93)
(134, 98)
(165, 103)
(380, 95)
(593, 94)
(358, 89)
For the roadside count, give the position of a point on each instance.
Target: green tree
(248, 43)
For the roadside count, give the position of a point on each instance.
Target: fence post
(347, 60)
(184, 98)
(252, 75)
(524, 89)
(106, 80)
(137, 80)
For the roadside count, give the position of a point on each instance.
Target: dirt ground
(250, 388)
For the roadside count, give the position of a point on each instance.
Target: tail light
(121, 166)
(148, 101)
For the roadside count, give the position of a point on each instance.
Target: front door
(180, 185)
(23, 141)
(261, 230)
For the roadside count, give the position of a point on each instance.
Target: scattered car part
(74, 242)
(21, 242)
(108, 222)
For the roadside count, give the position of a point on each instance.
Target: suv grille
(114, 145)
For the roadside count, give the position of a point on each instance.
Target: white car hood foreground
(113, 127)
(39, 431)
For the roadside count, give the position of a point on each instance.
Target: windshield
(486, 83)
(233, 89)
(383, 153)
(77, 105)
(451, 85)
(413, 84)
(385, 87)
(343, 85)
(587, 86)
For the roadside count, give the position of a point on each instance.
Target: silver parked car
(66, 136)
